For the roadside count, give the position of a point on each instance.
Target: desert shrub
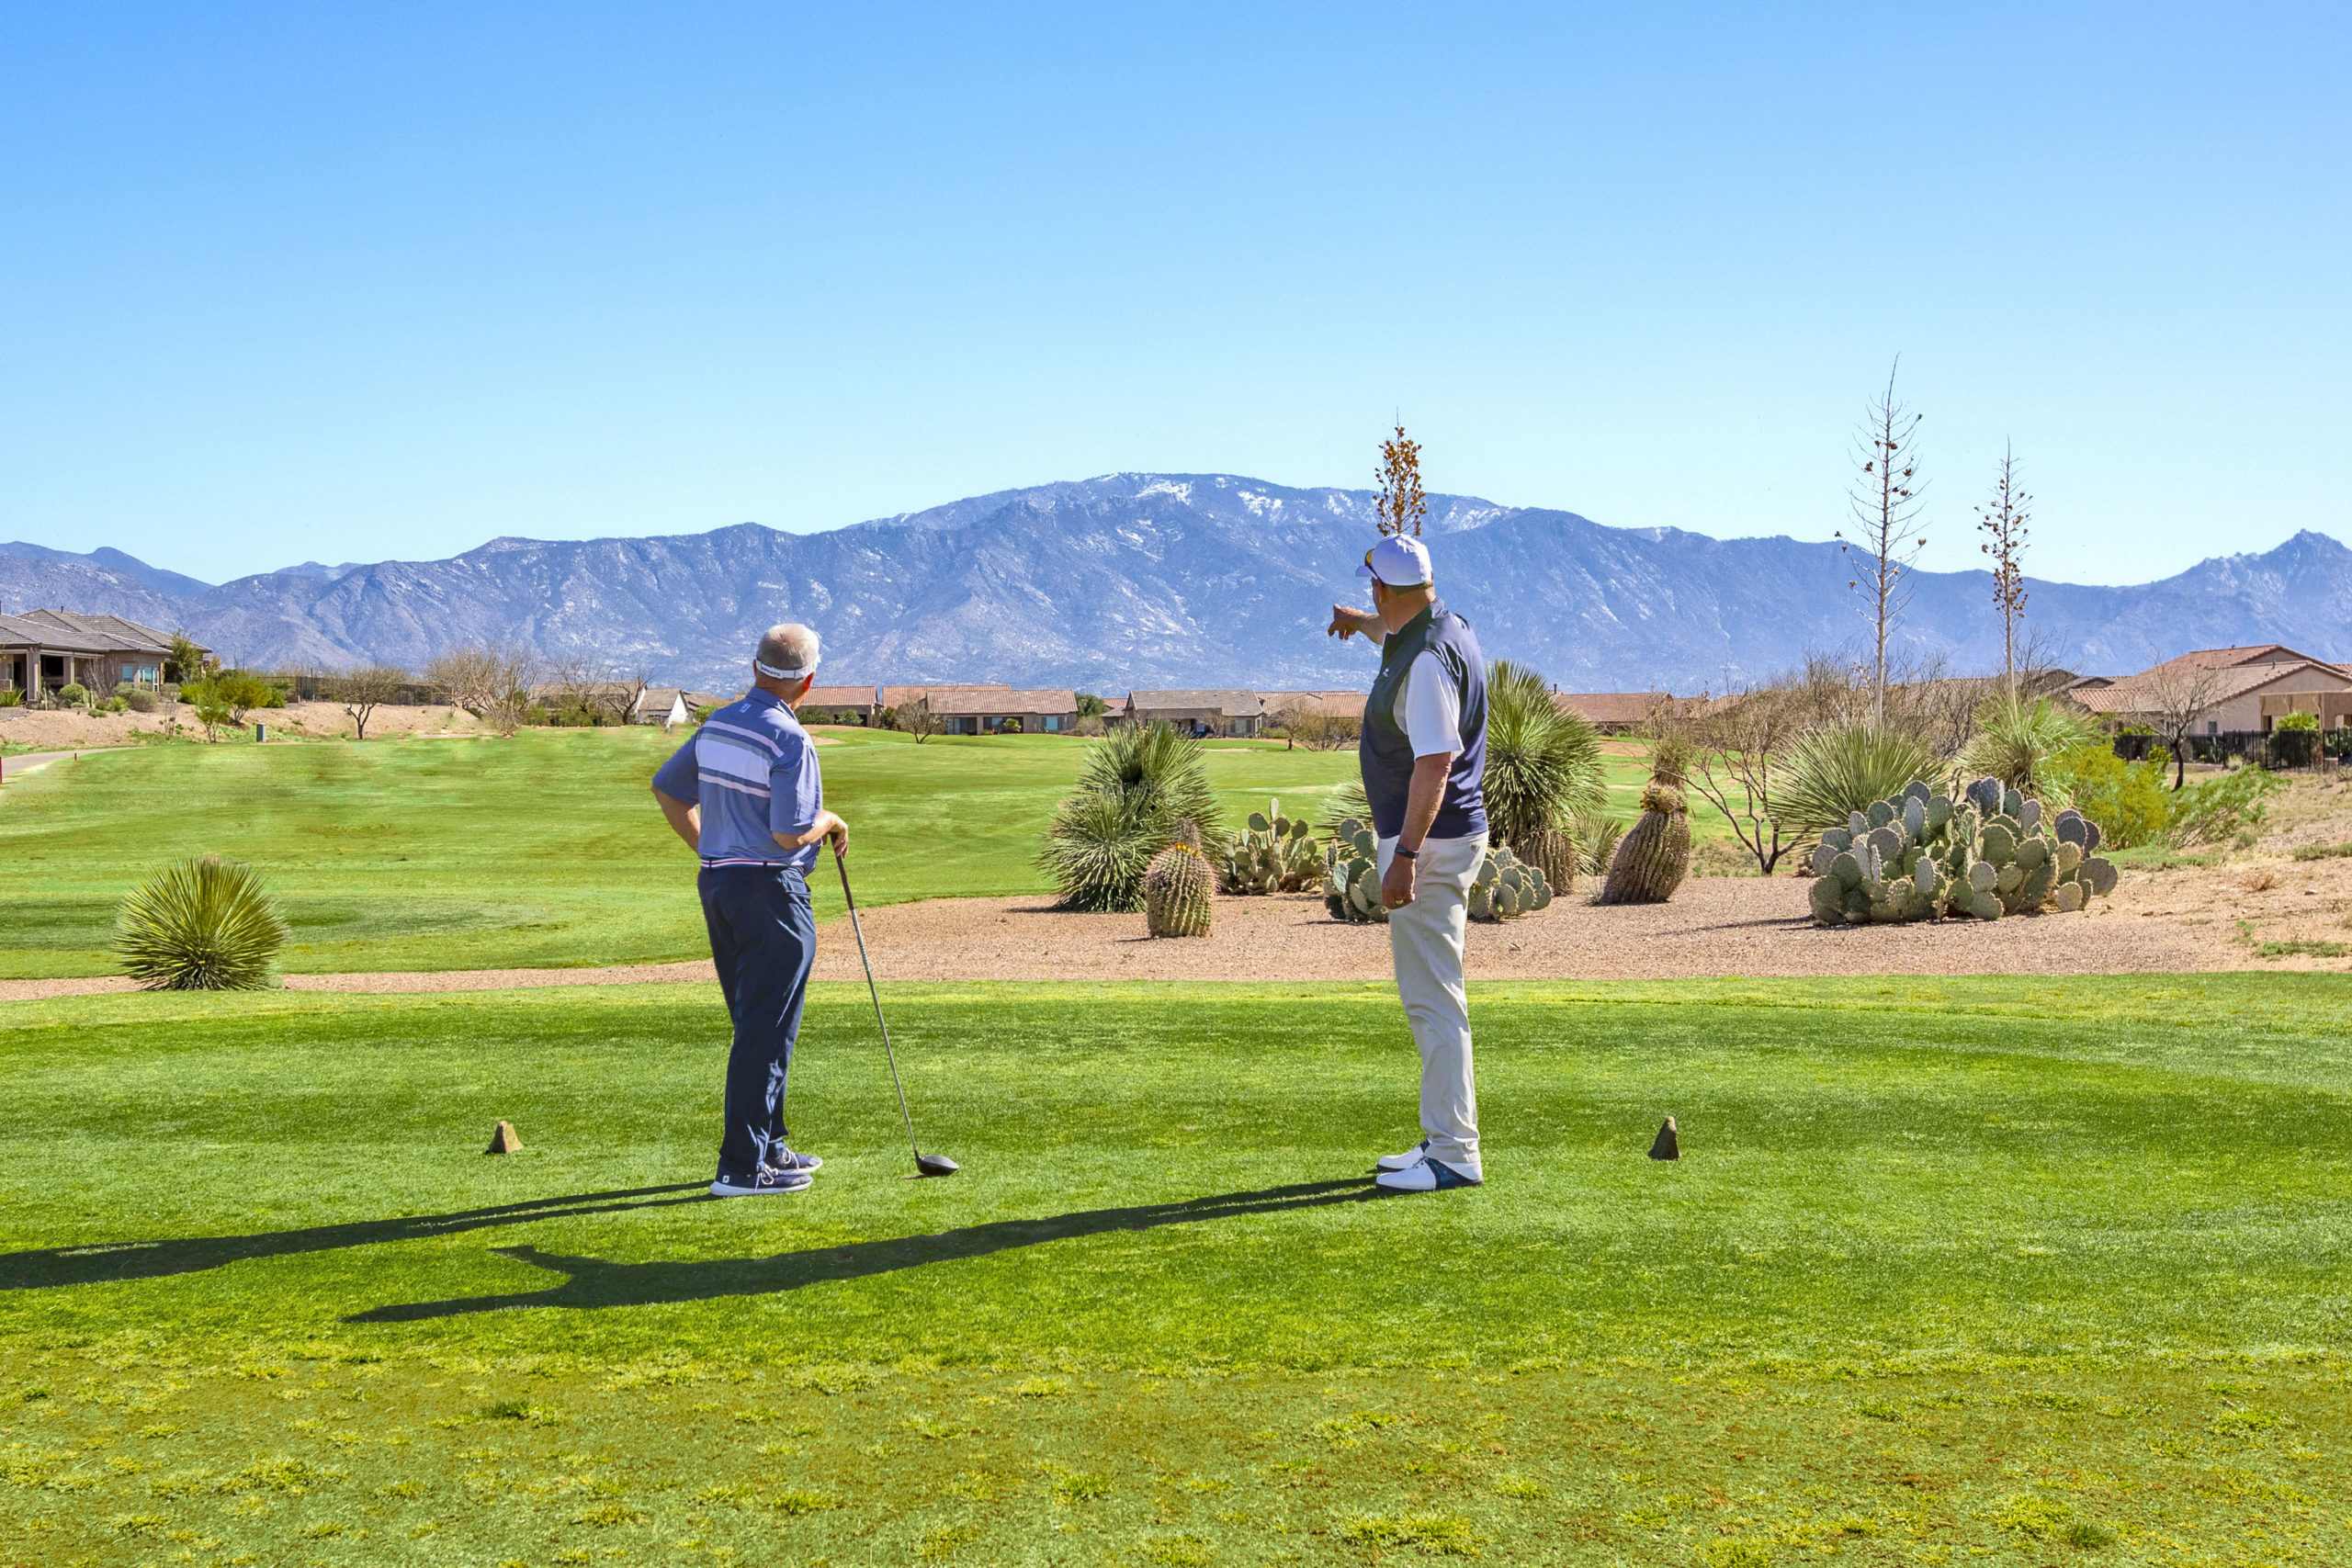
(2018, 739)
(2128, 800)
(1009, 727)
(2294, 721)
(139, 699)
(1542, 765)
(1835, 771)
(10, 697)
(1137, 783)
(2221, 807)
(1596, 833)
(202, 925)
(73, 695)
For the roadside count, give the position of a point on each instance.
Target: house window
(2212, 727)
(1053, 723)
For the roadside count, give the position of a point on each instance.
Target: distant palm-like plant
(1838, 770)
(2016, 740)
(1542, 766)
(1137, 782)
(202, 925)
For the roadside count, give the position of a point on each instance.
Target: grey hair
(789, 646)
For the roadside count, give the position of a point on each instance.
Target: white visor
(772, 674)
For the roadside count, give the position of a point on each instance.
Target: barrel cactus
(1552, 852)
(1653, 858)
(1351, 873)
(1273, 853)
(1507, 886)
(1922, 854)
(1177, 885)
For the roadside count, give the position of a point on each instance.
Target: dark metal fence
(2276, 750)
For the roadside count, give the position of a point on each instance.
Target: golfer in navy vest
(746, 795)
(1424, 754)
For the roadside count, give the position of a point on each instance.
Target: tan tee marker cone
(504, 1141)
(1666, 1147)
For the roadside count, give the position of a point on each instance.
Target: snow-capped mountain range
(1176, 580)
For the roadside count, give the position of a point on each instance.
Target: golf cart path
(1714, 927)
(27, 761)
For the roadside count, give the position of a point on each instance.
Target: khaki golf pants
(1425, 937)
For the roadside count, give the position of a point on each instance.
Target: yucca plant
(1542, 765)
(2016, 740)
(1159, 778)
(1137, 784)
(202, 925)
(1838, 770)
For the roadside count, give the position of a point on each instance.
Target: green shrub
(2299, 721)
(73, 695)
(202, 925)
(1542, 765)
(2128, 800)
(2222, 807)
(1835, 771)
(10, 697)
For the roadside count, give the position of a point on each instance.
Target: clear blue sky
(346, 282)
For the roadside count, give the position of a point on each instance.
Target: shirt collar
(762, 695)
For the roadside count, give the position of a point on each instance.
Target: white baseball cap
(1398, 561)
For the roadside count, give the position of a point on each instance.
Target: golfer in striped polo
(1424, 756)
(745, 795)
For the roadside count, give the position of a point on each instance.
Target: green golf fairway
(2025, 1265)
(544, 851)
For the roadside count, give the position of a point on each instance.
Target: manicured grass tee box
(2036, 1267)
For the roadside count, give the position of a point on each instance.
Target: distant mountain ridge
(1183, 579)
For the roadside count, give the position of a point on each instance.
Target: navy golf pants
(764, 939)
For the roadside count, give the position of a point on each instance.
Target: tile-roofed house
(1614, 713)
(53, 648)
(1198, 712)
(840, 705)
(2247, 684)
(1327, 705)
(984, 710)
(892, 697)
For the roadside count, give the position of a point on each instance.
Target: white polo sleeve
(1428, 710)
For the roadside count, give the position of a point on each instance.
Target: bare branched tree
(1885, 504)
(2175, 699)
(2003, 521)
(1738, 741)
(363, 691)
(1402, 504)
(470, 677)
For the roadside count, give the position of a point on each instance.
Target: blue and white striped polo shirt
(753, 770)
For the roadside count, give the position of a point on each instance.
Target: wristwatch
(1404, 853)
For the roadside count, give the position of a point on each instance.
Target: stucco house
(48, 649)
(2250, 688)
(983, 710)
(1197, 712)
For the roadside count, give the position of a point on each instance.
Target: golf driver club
(926, 1165)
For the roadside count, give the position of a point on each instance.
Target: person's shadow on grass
(593, 1282)
(105, 1261)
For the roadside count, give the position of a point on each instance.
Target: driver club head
(934, 1165)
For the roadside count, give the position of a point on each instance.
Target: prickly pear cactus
(1655, 856)
(1922, 855)
(1351, 873)
(1176, 887)
(1507, 887)
(1273, 853)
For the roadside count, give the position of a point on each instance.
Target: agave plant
(2016, 740)
(1542, 765)
(1838, 770)
(1137, 784)
(201, 925)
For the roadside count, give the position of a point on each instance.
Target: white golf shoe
(1430, 1175)
(1406, 1161)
